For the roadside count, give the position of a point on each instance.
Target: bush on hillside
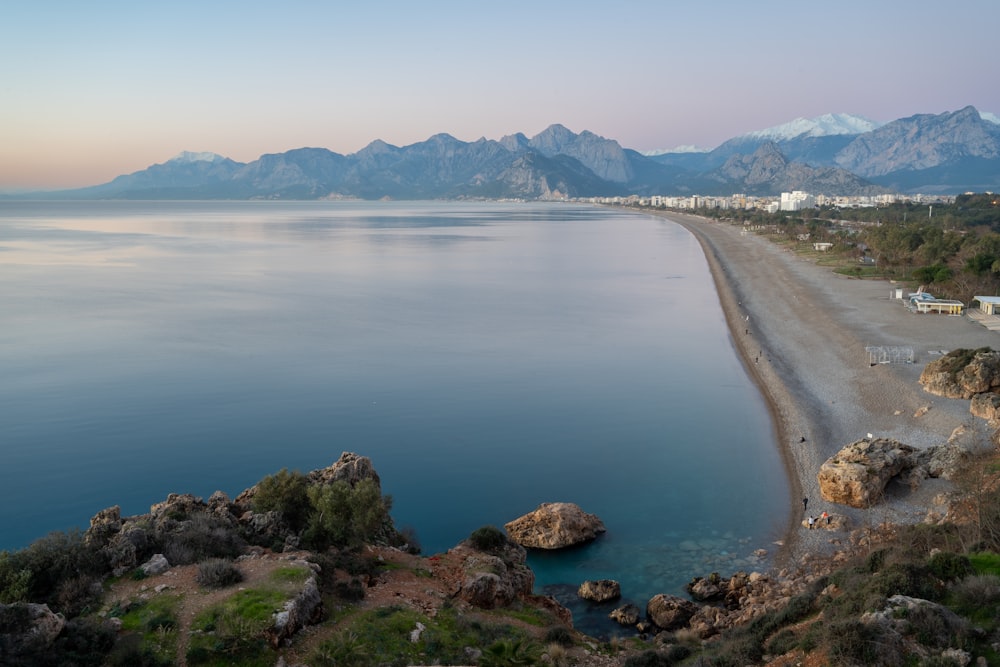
(488, 538)
(218, 573)
(345, 516)
(287, 493)
(200, 537)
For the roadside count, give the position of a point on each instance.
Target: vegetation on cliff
(926, 594)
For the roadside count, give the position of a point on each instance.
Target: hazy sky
(91, 90)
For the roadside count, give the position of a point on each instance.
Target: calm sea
(487, 357)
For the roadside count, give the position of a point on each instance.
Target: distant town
(796, 200)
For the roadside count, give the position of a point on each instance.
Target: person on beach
(805, 503)
(812, 522)
(825, 516)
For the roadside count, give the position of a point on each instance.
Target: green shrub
(936, 627)
(782, 642)
(287, 493)
(852, 642)
(343, 515)
(489, 539)
(559, 635)
(977, 596)
(38, 572)
(218, 573)
(201, 537)
(509, 652)
(652, 658)
(950, 566)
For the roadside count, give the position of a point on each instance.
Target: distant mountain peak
(676, 149)
(191, 156)
(830, 124)
(989, 117)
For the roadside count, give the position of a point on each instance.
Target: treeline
(952, 249)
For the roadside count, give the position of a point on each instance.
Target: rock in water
(601, 590)
(554, 526)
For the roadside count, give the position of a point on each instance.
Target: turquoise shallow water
(487, 357)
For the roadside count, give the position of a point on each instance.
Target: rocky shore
(802, 332)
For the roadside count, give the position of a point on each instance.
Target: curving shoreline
(802, 333)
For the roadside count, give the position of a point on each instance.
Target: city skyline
(94, 91)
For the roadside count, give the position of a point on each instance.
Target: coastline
(802, 331)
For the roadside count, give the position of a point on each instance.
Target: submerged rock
(625, 615)
(554, 526)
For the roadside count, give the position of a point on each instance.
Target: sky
(92, 90)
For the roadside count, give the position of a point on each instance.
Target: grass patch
(382, 636)
(290, 577)
(232, 632)
(985, 562)
(154, 622)
(529, 615)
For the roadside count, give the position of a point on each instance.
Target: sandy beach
(802, 331)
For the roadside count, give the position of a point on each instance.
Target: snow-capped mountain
(191, 156)
(677, 149)
(827, 125)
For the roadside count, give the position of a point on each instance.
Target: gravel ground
(802, 331)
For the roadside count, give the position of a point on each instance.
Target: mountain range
(836, 154)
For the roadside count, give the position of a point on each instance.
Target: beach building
(939, 306)
(989, 305)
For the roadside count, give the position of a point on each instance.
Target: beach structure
(938, 306)
(925, 302)
(889, 354)
(988, 305)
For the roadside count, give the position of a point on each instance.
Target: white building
(796, 200)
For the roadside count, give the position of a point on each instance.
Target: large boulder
(554, 526)
(600, 590)
(27, 629)
(858, 473)
(494, 579)
(669, 612)
(963, 373)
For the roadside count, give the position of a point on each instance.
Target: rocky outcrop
(600, 590)
(625, 615)
(858, 473)
(304, 609)
(705, 589)
(491, 580)
(158, 564)
(963, 373)
(985, 406)
(27, 629)
(554, 526)
(669, 612)
(350, 467)
(938, 626)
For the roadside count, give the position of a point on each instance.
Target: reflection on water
(487, 357)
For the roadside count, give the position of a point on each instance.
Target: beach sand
(802, 331)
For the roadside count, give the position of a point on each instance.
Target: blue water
(487, 357)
